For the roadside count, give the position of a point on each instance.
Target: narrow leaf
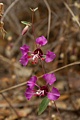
(43, 105)
(26, 23)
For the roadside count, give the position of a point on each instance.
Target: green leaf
(43, 105)
(26, 23)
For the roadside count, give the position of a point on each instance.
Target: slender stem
(57, 110)
(43, 68)
(33, 26)
(33, 23)
(10, 104)
(49, 17)
(49, 113)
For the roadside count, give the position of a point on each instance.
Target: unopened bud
(25, 30)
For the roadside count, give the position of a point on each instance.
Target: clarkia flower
(37, 55)
(42, 90)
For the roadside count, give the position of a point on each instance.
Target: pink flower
(42, 90)
(37, 55)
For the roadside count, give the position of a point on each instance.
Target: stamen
(40, 92)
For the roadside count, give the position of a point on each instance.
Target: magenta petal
(54, 94)
(50, 78)
(24, 60)
(41, 40)
(24, 49)
(50, 56)
(31, 82)
(29, 93)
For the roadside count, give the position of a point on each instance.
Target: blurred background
(59, 22)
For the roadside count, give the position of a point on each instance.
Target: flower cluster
(42, 90)
(37, 55)
(33, 89)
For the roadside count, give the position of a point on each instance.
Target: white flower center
(40, 92)
(35, 56)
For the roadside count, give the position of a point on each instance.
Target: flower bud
(25, 30)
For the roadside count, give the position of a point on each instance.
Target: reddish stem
(33, 26)
(57, 110)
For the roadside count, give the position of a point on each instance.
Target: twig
(24, 83)
(49, 18)
(9, 104)
(72, 13)
(74, 63)
(8, 9)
